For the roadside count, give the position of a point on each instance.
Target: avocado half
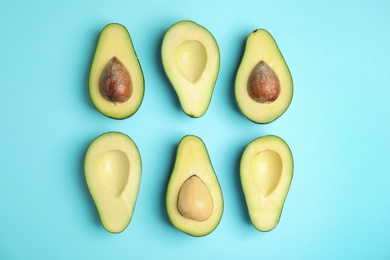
(123, 82)
(263, 86)
(266, 172)
(112, 169)
(190, 56)
(194, 199)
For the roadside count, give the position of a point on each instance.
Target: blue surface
(337, 127)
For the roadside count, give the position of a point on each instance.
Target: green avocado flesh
(116, 81)
(266, 172)
(263, 86)
(194, 199)
(190, 56)
(112, 169)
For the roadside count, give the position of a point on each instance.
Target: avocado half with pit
(263, 86)
(116, 81)
(266, 172)
(190, 56)
(112, 169)
(194, 199)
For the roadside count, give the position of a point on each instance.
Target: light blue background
(337, 126)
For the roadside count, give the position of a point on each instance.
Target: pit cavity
(114, 168)
(266, 169)
(191, 59)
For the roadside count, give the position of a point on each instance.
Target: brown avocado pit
(115, 83)
(263, 84)
(194, 200)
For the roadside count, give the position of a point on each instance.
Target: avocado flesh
(266, 172)
(112, 169)
(261, 47)
(190, 56)
(192, 159)
(115, 41)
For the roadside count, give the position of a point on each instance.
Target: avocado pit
(194, 200)
(263, 84)
(115, 82)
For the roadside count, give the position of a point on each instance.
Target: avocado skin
(261, 45)
(199, 108)
(138, 69)
(190, 227)
(276, 200)
(134, 181)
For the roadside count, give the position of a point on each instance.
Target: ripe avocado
(266, 172)
(194, 199)
(116, 81)
(112, 169)
(190, 56)
(264, 86)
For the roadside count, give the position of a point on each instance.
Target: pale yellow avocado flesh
(190, 56)
(112, 168)
(115, 41)
(192, 159)
(261, 46)
(266, 172)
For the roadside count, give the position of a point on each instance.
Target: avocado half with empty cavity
(112, 168)
(194, 199)
(266, 172)
(190, 56)
(116, 81)
(263, 86)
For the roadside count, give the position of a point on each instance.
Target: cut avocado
(194, 198)
(264, 86)
(266, 172)
(112, 170)
(116, 81)
(190, 56)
